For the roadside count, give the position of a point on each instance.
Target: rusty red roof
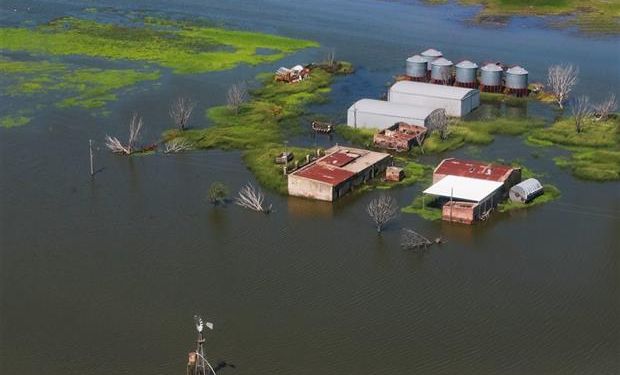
(474, 169)
(325, 173)
(339, 159)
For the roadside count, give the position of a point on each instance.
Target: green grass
(593, 165)
(425, 207)
(357, 136)
(594, 134)
(260, 126)
(551, 193)
(179, 45)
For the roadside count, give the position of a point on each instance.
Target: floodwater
(103, 276)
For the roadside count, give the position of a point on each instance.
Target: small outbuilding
(400, 137)
(457, 101)
(526, 190)
(379, 114)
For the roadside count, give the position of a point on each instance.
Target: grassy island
(592, 16)
(595, 149)
(260, 126)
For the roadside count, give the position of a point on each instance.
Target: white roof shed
(457, 101)
(464, 188)
(379, 114)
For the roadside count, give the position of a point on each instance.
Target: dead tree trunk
(180, 112)
(561, 79)
(252, 198)
(236, 96)
(116, 146)
(606, 107)
(382, 210)
(582, 111)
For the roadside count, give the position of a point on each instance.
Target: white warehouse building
(379, 114)
(457, 101)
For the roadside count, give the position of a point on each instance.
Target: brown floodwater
(103, 276)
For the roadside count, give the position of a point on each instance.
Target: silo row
(431, 66)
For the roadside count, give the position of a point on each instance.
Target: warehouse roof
(432, 90)
(392, 109)
(465, 188)
(474, 169)
(339, 164)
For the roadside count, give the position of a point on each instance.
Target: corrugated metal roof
(517, 70)
(392, 109)
(441, 62)
(339, 159)
(432, 53)
(416, 59)
(529, 186)
(492, 68)
(474, 169)
(466, 188)
(432, 90)
(325, 173)
(467, 64)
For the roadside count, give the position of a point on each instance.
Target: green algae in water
(181, 46)
(12, 121)
(81, 87)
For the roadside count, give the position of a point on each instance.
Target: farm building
(400, 137)
(379, 114)
(468, 190)
(505, 174)
(333, 175)
(525, 191)
(457, 101)
(466, 200)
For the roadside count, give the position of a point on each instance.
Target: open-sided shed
(379, 114)
(457, 101)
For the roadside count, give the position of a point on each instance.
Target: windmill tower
(198, 363)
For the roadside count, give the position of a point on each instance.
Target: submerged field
(38, 63)
(593, 16)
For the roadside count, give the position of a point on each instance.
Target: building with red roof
(333, 175)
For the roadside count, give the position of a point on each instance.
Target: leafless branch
(237, 95)
(582, 111)
(438, 121)
(606, 107)
(411, 239)
(330, 58)
(177, 145)
(115, 145)
(382, 210)
(561, 79)
(180, 112)
(252, 198)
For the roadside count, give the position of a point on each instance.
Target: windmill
(198, 363)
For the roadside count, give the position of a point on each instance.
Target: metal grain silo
(417, 68)
(516, 81)
(466, 72)
(441, 71)
(525, 191)
(429, 56)
(491, 78)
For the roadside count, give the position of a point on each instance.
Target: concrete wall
(361, 119)
(304, 187)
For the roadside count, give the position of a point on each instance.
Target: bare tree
(180, 112)
(606, 107)
(561, 79)
(177, 145)
(438, 121)
(115, 145)
(382, 210)
(237, 95)
(252, 198)
(582, 111)
(330, 58)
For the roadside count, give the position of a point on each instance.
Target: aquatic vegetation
(593, 165)
(551, 193)
(594, 134)
(12, 121)
(179, 45)
(425, 207)
(591, 16)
